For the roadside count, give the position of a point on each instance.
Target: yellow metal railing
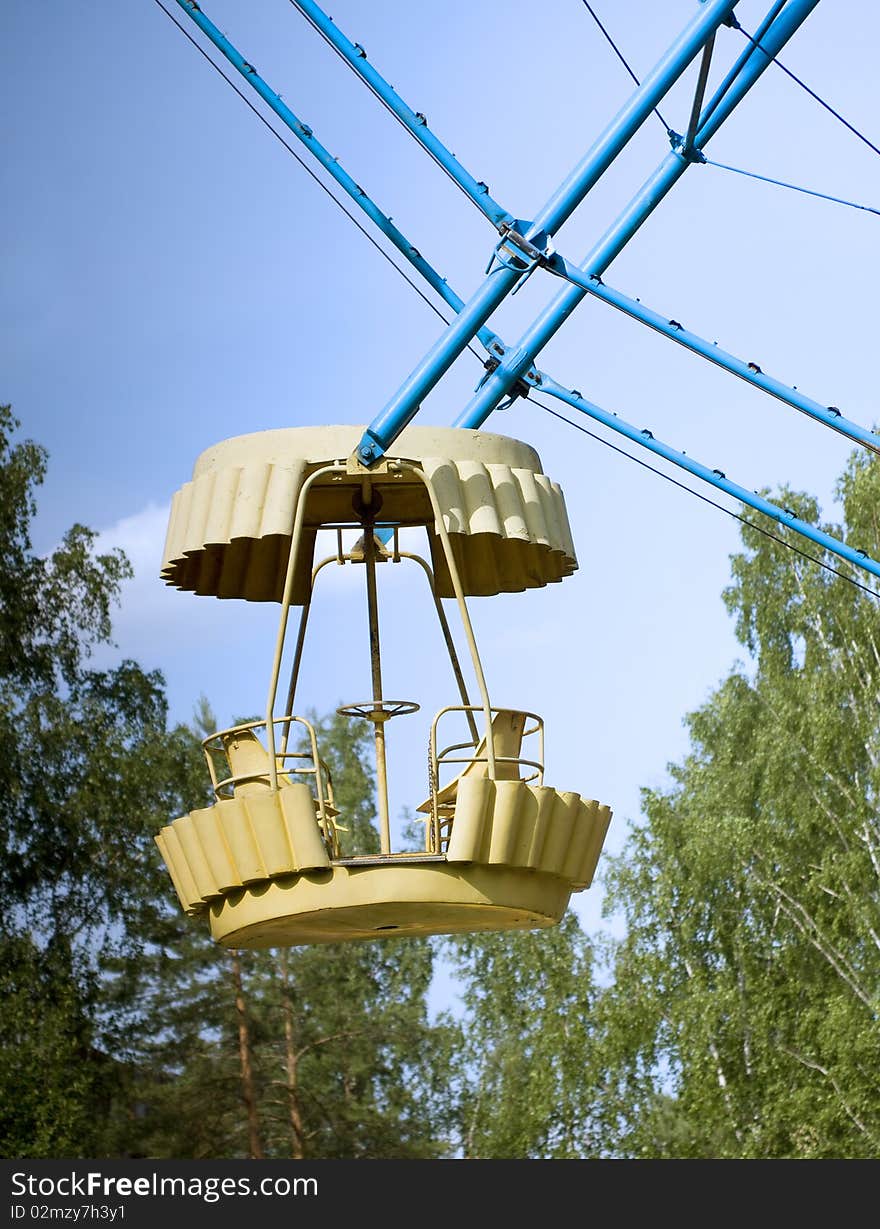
(497, 755)
(220, 748)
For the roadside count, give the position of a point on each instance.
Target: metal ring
(379, 710)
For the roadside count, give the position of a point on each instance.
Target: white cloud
(142, 537)
(201, 645)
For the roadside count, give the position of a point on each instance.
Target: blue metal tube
(670, 170)
(388, 424)
(355, 55)
(714, 477)
(750, 372)
(731, 76)
(304, 133)
(627, 122)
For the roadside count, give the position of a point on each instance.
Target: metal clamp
(517, 253)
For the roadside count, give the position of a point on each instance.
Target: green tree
(346, 746)
(348, 1058)
(744, 1017)
(88, 764)
(354, 1066)
(526, 1057)
(308, 1052)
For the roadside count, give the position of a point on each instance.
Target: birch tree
(744, 1019)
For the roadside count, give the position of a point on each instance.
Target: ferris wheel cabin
(272, 861)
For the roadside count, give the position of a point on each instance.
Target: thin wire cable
(622, 59)
(275, 133)
(780, 183)
(812, 93)
(744, 520)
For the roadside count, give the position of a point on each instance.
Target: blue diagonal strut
(714, 477)
(516, 364)
(304, 133)
(751, 372)
(388, 424)
(356, 57)
(646, 200)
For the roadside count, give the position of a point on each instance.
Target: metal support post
(286, 600)
(378, 715)
(388, 424)
(519, 357)
(699, 95)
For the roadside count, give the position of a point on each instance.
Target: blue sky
(172, 277)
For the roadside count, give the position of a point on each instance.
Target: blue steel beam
(751, 372)
(388, 424)
(305, 134)
(519, 358)
(715, 477)
(734, 71)
(356, 57)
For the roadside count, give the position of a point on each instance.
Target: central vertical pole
(378, 717)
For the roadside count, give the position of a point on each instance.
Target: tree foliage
(751, 965)
(737, 1016)
(526, 1055)
(88, 762)
(150, 1040)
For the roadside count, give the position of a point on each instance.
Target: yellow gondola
(267, 862)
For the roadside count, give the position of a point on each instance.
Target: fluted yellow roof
(230, 527)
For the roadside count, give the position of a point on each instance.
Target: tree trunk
(255, 1146)
(297, 1139)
